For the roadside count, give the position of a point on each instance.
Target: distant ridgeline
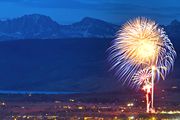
(38, 26)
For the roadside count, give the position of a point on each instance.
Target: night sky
(114, 11)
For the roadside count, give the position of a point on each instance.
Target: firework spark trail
(143, 79)
(141, 44)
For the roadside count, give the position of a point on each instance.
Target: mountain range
(36, 26)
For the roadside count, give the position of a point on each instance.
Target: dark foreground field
(55, 65)
(65, 65)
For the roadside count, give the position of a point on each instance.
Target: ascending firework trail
(141, 54)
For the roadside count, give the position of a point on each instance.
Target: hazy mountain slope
(43, 27)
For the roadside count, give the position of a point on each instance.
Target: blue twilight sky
(115, 11)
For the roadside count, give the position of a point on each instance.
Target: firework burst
(142, 52)
(141, 43)
(143, 77)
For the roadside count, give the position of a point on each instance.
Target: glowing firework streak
(152, 84)
(145, 79)
(142, 79)
(147, 88)
(141, 44)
